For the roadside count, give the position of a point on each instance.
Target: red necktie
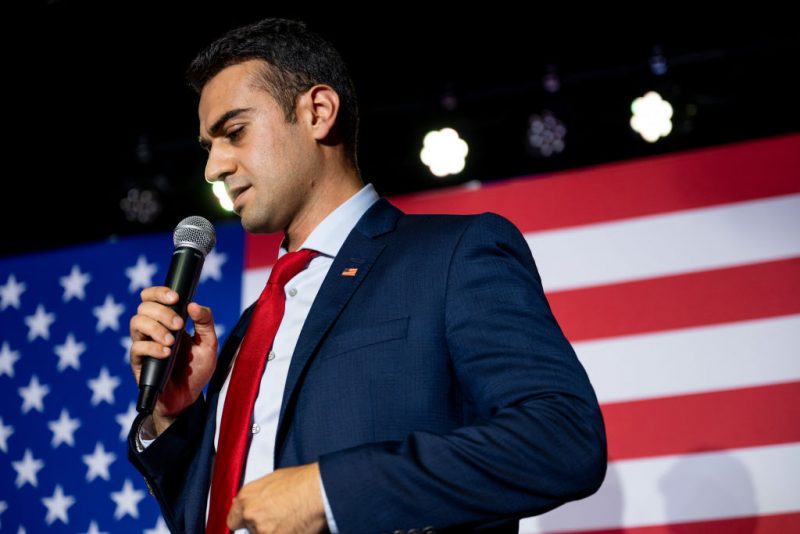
(234, 429)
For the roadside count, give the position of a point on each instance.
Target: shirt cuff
(146, 434)
(328, 512)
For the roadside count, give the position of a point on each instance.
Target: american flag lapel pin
(350, 271)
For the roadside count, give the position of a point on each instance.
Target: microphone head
(195, 232)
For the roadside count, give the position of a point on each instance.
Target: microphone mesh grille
(195, 232)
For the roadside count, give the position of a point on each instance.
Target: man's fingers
(203, 320)
(158, 312)
(201, 315)
(148, 348)
(161, 294)
(235, 519)
(147, 328)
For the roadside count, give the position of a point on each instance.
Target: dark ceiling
(101, 104)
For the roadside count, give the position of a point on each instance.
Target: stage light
(140, 205)
(546, 134)
(144, 152)
(222, 195)
(658, 62)
(651, 117)
(444, 152)
(550, 81)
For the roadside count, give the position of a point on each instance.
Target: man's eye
(235, 133)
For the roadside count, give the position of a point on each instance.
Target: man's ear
(319, 107)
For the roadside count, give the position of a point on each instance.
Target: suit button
(413, 531)
(399, 532)
(428, 530)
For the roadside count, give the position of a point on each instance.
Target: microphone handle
(183, 277)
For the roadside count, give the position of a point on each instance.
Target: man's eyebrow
(215, 129)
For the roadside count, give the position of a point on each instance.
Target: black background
(89, 85)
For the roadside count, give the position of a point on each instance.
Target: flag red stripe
(707, 177)
(747, 417)
(694, 179)
(754, 291)
(261, 250)
(763, 524)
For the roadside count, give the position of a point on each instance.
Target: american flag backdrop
(67, 394)
(676, 278)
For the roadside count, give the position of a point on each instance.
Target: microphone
(194, 237)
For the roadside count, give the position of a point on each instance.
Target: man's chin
(257, 227)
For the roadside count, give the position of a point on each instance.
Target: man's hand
(152, 335)
(287, 500)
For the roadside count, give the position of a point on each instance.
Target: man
(418, 380)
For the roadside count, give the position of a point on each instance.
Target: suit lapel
(229, 350)
(359, 251)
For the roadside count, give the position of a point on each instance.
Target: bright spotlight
(651, 117)
(444, 152)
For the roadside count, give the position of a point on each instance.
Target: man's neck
(328, 198)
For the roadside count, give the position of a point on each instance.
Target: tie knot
(289, 265)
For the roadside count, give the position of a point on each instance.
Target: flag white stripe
(655, 245)
(694, 487)
(674, 243)
(693, 360)
(253, 282)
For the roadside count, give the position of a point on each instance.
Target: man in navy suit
(418, 381)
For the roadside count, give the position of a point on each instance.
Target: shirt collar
(329, 235)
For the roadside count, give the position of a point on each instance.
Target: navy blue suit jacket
(434, 388)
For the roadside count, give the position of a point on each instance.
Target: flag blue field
(67, 394)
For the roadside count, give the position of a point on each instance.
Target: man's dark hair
(298, 59)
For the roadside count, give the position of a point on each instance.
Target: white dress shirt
(327, 238)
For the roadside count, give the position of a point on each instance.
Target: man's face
(265, 162)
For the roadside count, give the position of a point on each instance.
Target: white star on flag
(27, 469)
(33, 395)
(69, 353)
(98, 463)
(126, 342)
(8, 358)
(39, 323)
(70, 400)
(108, 314)
(103, 387)
(63, 429)
(127, 500)
(160, 528)
(74, 285)
(212, 267)
(94, 529)
(3, 507)
(141, 274)
(125, 421)
(21, 530)
(57, 506)
(10, 293)
(5, 433)
(219, 329)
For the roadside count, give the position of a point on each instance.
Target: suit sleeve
(538, 440)
(165, 463)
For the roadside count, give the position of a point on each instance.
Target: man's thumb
(202, 318)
